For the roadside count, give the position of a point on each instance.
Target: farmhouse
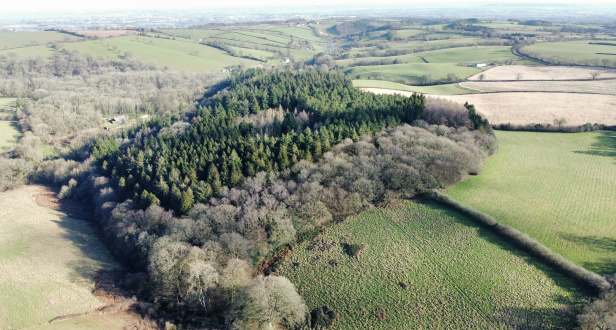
(119, 119)
(479, 65)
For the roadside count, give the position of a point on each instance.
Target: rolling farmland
(572, 51)
(26, 39)
(559, 188)
(435, 269)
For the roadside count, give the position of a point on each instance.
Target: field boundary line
(534, 247)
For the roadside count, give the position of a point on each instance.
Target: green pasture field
(470, 55)
(9, 135)
(7, 102)
(445, 89)
(560, 188)
(235, 36)
(425, 266)
(298, 32)
(194, 34)
(269, 37)
(9, 40)
(573, 50)
(47, 262)
(409, 32)
(411, 72)
(32, 51)
(174, 54)
(410, 58)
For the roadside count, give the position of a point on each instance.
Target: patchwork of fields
(559, 188)
(47, 261)
(425, 266)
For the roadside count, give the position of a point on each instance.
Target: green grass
(175, 54)
(9, 135)
(32, 51)
(458, 275)
(470, 55)
(559, 188)
(411, 72)
(6, 103)
(446, 89)
(573, 50)
(9, 40)
(194, 34)
(302, 33)
(47, 262)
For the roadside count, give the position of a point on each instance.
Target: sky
(93, 5)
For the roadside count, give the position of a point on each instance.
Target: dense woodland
(193, 205)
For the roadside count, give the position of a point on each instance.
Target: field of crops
(573, 50)
(47, 261)
(559, 188)
(9, 135)
(424, 266)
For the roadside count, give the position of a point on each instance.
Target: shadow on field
(94, 255)
(517, 317)
(607, 266)
(556, 275)
(604, 146)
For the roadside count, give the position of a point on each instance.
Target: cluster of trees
(269, 211)
(218, 149)
(72, 92)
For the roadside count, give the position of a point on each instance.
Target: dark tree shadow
(604, 146)
(15, 137)
(517, 317)
(94, 254)
(605, 266)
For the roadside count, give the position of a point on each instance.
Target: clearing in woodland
(47, 261)
(424, 266)
(9, 135)
(560, 188)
